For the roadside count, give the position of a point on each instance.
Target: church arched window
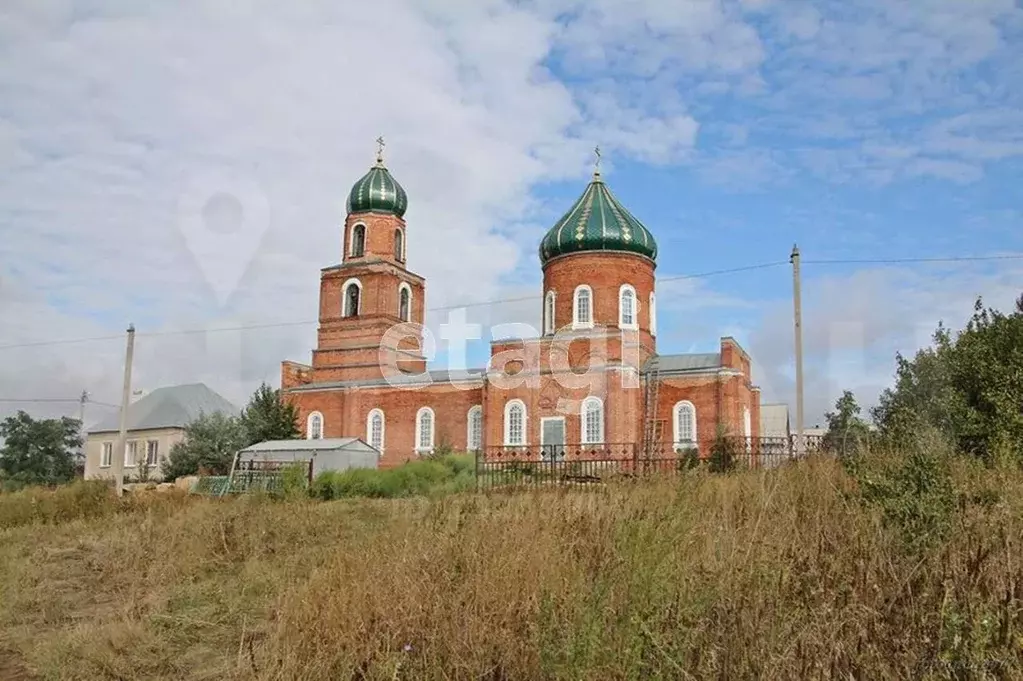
(358, 241)
(474, 436)
(684, 419)
(515, 423)
(399, 245)
(548, 314)
(375, 430)
(404, 302)
(593, 421)
(424, 430)
(352, 294)
(627, 307)
(582, 307)
(314, 426)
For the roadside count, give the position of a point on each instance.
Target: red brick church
(591, 380)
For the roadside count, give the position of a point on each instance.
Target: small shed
(333, 454)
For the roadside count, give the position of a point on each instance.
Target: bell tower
(371, 306)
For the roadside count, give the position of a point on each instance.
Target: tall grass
(796, 573)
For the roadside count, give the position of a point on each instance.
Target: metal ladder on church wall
(653, 427)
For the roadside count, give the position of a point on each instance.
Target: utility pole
(122, 437)
(81, 425)
(798, 319)
(81, 408)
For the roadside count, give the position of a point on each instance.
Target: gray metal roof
(303, 445)
(169, 407)
(698, 361)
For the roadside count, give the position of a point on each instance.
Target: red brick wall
(379, 236)
(346, 413)
(604, 273)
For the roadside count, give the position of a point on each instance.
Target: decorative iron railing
(590, 463)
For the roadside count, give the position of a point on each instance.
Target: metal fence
(505, 466)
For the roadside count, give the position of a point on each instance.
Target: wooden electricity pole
(798, 320)
(122, 437)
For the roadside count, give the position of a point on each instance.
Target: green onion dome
(597, 222)
(377, 192)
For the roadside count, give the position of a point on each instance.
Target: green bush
(438, 475)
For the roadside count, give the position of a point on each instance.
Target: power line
(500, 301)
(41, 400)
(270, 325)
(889, 261)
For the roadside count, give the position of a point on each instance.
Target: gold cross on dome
(380, 149)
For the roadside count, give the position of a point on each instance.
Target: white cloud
(853, 325)
(115, 118)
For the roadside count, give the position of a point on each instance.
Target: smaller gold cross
(380, 149)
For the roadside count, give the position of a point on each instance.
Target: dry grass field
(807, 572)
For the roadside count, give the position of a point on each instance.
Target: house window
(548, 314)
(399, 245)
(515, 423)
(593, 421)
(424, 430)
(474, 438)
(375, 430)
(131, 451)
(653, 314)
(106, 454)
(352, 292)
(404, 302)
(627, 307)
(358, 241)
(314, 426)
(152, 452)
(583, 307)
(685, 424)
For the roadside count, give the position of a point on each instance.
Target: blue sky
(860, 129)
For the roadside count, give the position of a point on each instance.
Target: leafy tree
(210, 444)
(846, 430)
(969, 386)
(269, 417)
(38, 452)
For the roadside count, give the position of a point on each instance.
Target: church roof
(377, 192)
(597, 221)
(169, 407)
(692, 361)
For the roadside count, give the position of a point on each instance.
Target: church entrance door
(552, 438)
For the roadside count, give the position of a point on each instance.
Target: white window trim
(156, 446)
(582, 420)
(128, 447)
(403, 286)
(309, 425)
(104, 448)
(344, 296)
(576, 324)
(476, 409)
(507, 423)
(351, 239)
(549, 306)
(422, 447)
(383, 428)
(634, 325)
(674, 423)
(653, 314)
